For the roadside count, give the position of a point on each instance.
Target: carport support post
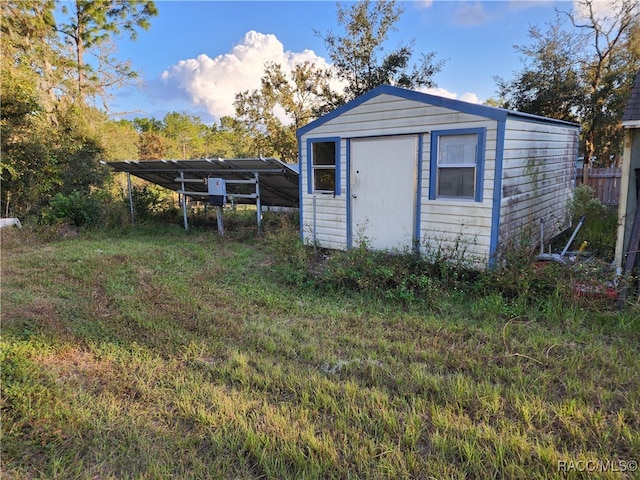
(130, 197)
(184, 203)
(258, 204)
(219, 218)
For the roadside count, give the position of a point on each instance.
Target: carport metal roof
(278, 181)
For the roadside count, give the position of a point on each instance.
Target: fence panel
(606, 183)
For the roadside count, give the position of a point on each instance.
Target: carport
(257, 181)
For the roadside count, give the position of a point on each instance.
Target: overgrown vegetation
(407, 277)
(149, 201)
(518, 288)
(600, 223)
(154, 352)
(77, 208)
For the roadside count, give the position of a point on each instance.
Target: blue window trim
(480, 154)
(310, 142)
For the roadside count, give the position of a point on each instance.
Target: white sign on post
(217, 191)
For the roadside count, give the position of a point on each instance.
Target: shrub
(405, 277)
(147, 201)
(293, 259)
(451, 264)
(600, 225)
(77, 208)
(525, 281)
(517, 287)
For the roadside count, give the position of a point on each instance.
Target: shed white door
(383, 177)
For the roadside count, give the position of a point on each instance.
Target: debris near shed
(9, 222)
(596, 279)
(590, 277)
(565, 257)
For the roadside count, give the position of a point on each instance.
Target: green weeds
(598, 232)
(183, 354)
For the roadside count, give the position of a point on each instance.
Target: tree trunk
(589, 152)
(79, 41)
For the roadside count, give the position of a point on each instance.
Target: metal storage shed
(402, 169)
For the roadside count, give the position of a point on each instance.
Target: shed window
(456, 164)
(323, 165)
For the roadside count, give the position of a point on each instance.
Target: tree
(23, 153)
(549, 85)
(40, 161)
(31, 52)
(359, 56)
(28, 169)
(119, 139)
(145, 124)
(186, 134)
(77, 149)
(582, 75)
(282, 104)
(151, 146)
(608, 71)
(229, 139)
(51, 142)
(89, 28)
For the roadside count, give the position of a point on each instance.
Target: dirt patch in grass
(38, 315)
(79, 368)
(37, 309)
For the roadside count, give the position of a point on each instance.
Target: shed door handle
(354, 195)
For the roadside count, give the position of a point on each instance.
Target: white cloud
(470, 14)
(214, 82)
(602, 9)
(442, 92)
(422, 4)
(470, 97)
(599, 8)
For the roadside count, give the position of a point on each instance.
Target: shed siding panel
(330, 211)
(397, 127)
(537, 181)
(459, 228)
(388, 115)
(330, 221)
(456, 228)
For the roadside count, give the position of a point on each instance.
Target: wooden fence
(606, 183)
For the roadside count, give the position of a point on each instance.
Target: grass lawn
(170, 354)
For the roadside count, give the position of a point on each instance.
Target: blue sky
(198, 54)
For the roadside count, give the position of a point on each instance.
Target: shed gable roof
(631, 116)
(494, 113)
